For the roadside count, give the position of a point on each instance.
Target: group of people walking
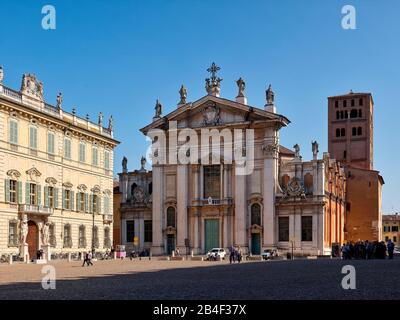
(235, 254)
(87, 259)
(367, 250)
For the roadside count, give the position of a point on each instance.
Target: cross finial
(213, 70)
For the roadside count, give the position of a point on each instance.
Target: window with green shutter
(67, 148)
(7, 190)
(55, 197)
(82, 152)
(86, 202)
(39, 194)
(50, 142)
(107, 160)
(20, 192)
(106, 205)
(13, 132)
(95, 153)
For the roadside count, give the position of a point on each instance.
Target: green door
(211, 234)
(255, 243)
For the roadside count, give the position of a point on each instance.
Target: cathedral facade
(220, 178)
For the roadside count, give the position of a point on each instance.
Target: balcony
(216, 202)
(107, 218)
(34, 209)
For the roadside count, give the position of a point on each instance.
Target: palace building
(221, 178)
(57, 176)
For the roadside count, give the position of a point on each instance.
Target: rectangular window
(306, 228)
(395, 229)
(67, 236)
(82, 152)
(283, 228)
(67, 199)
(107, 160)
(95, 153)
(50, 142)
(52, 235)
(395, 239)
(212, 182)
(13, 134)
(12, 233)
(130, 230)
(33, 138)
(67, 148)
(148, 231)
(50, 195)
(32, 194)
(13, 191)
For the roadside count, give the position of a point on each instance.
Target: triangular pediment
(211, 111)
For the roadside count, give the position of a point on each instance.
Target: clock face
(138, 194)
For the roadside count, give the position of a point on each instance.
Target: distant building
(350, 141)
(117, 195)
(391, 226)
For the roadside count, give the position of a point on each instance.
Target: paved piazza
(299, 279)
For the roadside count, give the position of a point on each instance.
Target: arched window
(285, 181)
(336, 104)
(360, 113)
(341, 114)
(82, 237)
(360, 102)
(353, 113)
(343, 132)
(171, 217)
(337, 133)
(359, 131)
(337, 115)
(346, 115)
(308, 183)
(344, 103)
(256, 214)
(354, 131)
(352, 102)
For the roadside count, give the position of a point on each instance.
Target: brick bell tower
(350, 129)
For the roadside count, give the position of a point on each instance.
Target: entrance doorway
(211, 234)
(255, 244)
(32, 239)
(170, 243)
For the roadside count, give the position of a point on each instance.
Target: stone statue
(213, 84)
(183, 94)
(270, 95)
(59, 101)
(296, 150)
(158, 109)
(241, 85)
(1, 74)
(315, 149)
(24, 232)
(45, 233)
(124, 164)
(101, 119)
(111, 123)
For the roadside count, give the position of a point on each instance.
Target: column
(182, 204)
(269, 185)
(196, 244)
(157, 214)
(240, 210)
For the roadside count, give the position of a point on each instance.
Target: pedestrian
(231, 254)
(85, 259)
(390, 248)
(239, 254)
(90, 256)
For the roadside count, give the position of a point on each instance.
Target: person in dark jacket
(390, 248)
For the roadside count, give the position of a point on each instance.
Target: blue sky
(120, 56)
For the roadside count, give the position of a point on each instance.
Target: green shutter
(20, 192)
(46, 196)
(86, 202)
(72, 201)
(63, 198)
(78, 195)
(55, 197)
(39, 194)
(7, 190)
(98, 205)
(27, 185)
